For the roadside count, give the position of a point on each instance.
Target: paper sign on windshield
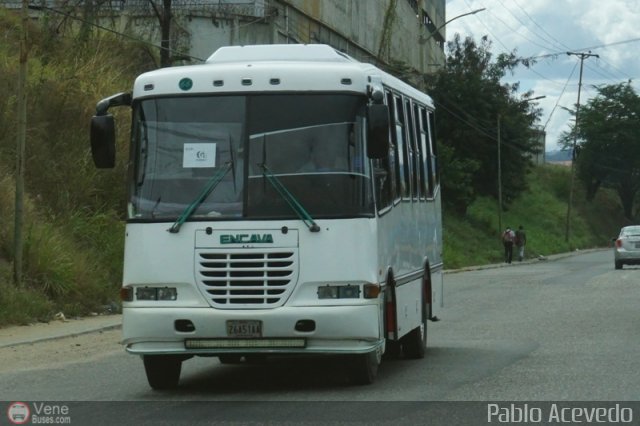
(199, 155)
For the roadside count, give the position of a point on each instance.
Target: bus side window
(384, 176)
(403, 150)
(433, 164)
(394, 157)
(422, 147)
(414, 152)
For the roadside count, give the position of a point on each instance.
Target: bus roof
(279, 52)
(270, 68)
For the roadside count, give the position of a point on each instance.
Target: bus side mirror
(103, 141)
(377, 131)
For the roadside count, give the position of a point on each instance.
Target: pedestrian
(507, 240)
(521, 241)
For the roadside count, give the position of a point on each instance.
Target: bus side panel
(408, 309)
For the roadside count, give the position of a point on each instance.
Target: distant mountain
(559, 155)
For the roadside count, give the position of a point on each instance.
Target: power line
(582, 57)
(560, 96)
(611, 76)
(601, 46)
(554, 40)
(103, 28)
(531, 59)
(557, 42)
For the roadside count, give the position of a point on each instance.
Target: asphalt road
(563, 330)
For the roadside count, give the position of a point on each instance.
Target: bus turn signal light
(126, 294)
(371, 291)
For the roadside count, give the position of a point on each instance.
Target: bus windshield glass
(312, 144)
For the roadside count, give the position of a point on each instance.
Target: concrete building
(399, 35)
(391, 33)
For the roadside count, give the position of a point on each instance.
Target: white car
(627, 246)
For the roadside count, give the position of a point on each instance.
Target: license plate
(244, 328)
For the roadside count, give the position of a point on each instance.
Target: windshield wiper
(290, 199)
(208, 188)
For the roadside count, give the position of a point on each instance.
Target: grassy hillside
(73, 230)
(542, 210)
(73, 236)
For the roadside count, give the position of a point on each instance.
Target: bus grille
(246, 279)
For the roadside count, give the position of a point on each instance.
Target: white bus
(283, 199)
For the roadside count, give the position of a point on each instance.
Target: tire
(163, 371)
(230, 359)
(364, 368)
(392, 350)
(414, 344)
(618, 264)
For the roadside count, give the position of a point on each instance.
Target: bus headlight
(339, 292)
(156, 293)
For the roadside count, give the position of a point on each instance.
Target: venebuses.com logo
(18, 413)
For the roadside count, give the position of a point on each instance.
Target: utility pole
(499, 181)
(582, 57)
(20, 151)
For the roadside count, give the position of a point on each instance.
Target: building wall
(385, 32)
(379, 31)
(354, 26)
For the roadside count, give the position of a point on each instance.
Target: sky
(548, 29)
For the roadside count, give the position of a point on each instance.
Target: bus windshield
(312, 144)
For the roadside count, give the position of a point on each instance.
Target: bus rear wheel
(163, 371)
(414, 344)
(364, 369)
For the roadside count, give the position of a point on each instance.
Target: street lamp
(500, 167)
(434, 32)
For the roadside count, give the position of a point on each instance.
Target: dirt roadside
(50, 354)
(49, 345)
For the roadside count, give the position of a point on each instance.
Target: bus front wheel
(163, 371)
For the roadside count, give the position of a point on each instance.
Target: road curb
(75, 330)
(550, 258)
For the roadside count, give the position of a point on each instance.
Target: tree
(164, 15)
(457, 177)
(608, 149)
(469, 96)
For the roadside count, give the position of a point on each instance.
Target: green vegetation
(609, 153)
(73, 235)
(73, 212)
(474, 239)
(473, 102)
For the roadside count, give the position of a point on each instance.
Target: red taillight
(391, 316)
(618, 243)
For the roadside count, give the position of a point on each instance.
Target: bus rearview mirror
(377, 131)
(103, 141)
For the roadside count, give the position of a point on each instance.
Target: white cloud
(539, 27)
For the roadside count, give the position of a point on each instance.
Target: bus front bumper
(337, 330)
